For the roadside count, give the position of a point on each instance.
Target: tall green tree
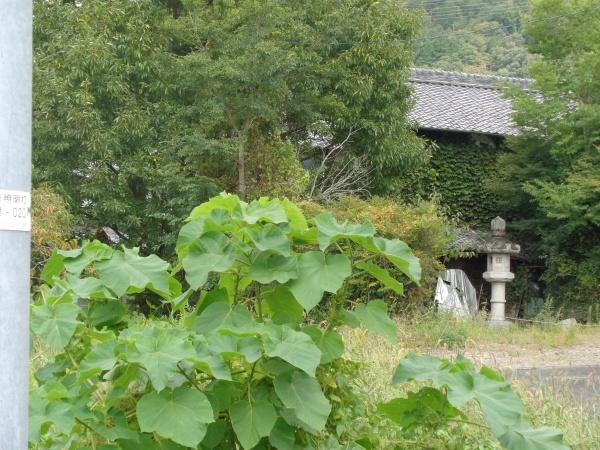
(113, 125)
(550, 183)
(145, 108)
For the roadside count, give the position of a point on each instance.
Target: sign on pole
(15, 222)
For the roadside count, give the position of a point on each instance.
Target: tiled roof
(456, 101)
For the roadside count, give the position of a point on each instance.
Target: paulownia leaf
(294, 347)
(43, 411)
(228, 202)
(501, 406)
(101, 357)
(269, 237)
(115, 427)
(180, 415)
(330, 230)
(330, 343)
(249, 347)
(374, 317)
(296, 218)
(523, 437)
(55, 324)
(397, 252)
(159, 351)
(283, 306)
(106, 313)
(261, 210)
(303, 394)
(270, 266)
(220, 316)
(78, 259)
(127, 271)
(212, 252)
(252, 420)
(283, 436)
(381, 275)
(427, 407)
(421, 368)
(318, 273)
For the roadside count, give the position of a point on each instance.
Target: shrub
(422, 226)
(231, 364)
(51, 224)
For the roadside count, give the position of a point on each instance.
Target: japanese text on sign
(15, 210)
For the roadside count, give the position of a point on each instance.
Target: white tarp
(455, 293)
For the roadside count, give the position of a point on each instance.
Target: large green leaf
(428, 407)
(381, 275)
(374, 317)
(53, 268)
(106, 313)
(261, 210)
(252, 420)
(421, 368)
(55, 324)
(318, 273)
(127, 271)
(100, 357)
(228, 202)
(212, 252)
(283, 306)
(270, 266)
(115, 427)
(43, 411)
(303, 394)
(397, 252)
(217, 220)
(250, 347)
(159, 351)
(296, 218)
(330, 230)
(330, 343)
(295, 347)
(501, 406)
(269, 237)
(180, 415)
(78, 259)
(88, 288)
(523, 437)
(283, 436)
(221, 316)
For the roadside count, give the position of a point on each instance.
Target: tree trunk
(243, 136)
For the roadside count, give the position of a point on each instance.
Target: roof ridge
(464, 78)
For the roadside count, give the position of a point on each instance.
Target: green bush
(230, 363)
(426, 230)
(51, 224)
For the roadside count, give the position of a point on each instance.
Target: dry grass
(546, 407)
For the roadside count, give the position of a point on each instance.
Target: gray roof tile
(456, 101)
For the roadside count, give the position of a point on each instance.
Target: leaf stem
(468, 422)
(192, 381)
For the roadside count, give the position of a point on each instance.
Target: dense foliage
(51, 225)
(473, 36)
(422, 226)
(143, 110)
(549, 182)
(457, 174)
(227, 360)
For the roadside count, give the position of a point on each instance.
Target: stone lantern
(498, 250)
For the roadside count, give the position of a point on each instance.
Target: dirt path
(572, 371)
(513, 356)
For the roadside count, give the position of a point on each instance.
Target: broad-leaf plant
(215, 350)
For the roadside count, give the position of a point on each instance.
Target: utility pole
(15, 224)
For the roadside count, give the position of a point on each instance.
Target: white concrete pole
(15, 182)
